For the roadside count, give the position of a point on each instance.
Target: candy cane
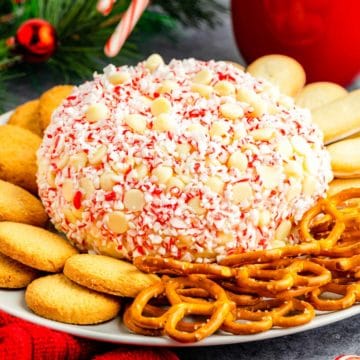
(125, 27)
(105, 6)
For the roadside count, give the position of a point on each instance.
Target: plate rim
(15, 305)
(85, 331)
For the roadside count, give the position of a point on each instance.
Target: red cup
(323, 35)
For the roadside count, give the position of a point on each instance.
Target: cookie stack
(335, 110)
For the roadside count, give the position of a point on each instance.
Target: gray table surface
(323, 343)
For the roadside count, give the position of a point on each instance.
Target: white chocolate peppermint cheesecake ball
(193, 160)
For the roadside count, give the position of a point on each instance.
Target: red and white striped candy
(125, 27)
(105, 6)
(347, 357)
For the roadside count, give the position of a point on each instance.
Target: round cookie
(14, 275)
(34, 247)
(18, 205)
(319, 93)
(340, 118)
(27, 117)
(341, 184)
(18, 148)
(283, 71)
(50, 100)
(345, 158)
(108, 275)
(57, 298)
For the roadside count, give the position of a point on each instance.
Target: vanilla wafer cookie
(27, 117)
(18, 205)
(282, 71)
(18, 148)
(319, 93)
(57, 298)
(345, 158)
(338, 185)
(34, 247)
(340, 118)
(50, 100)
(14, 275)
(108, 275)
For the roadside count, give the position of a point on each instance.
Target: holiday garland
(67, 37)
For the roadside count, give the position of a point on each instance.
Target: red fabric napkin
(22, 340)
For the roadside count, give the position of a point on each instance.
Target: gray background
(323, 343)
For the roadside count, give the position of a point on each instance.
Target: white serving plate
(13, 302)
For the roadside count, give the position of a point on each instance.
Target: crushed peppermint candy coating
(194, 160)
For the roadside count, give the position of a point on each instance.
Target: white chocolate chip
(119, 77)
(239, 131)
(215, 184)
(203, 90)
(153, 62)
(136, 122)
(263, 134)
(283, 230)
(164, 122)
(79, 160)
(96, 112)
(146, 101)
(167, 86)
(175, 182)
(311, 164)
(270, 176)
(62, 161)
(300, 145)
(231, 111)
(117, 222)
(203, 77)
(69, 215)
(264, 218)
(293, 168)
(50, 178)
(107, 181)
(183, 149)
(293, 192)
(238, 160)
(185, 178)
(241, 192)
(87, 186)
(98, 156)
(141, 171)
(195, 204)
(219, 129)
(210, 161)
(162, 174)
(134, 200)
(160, 106)
(309, 185)
(67, 190)
(284, 148)
(197, 128)
(224, 88)
(251, 98)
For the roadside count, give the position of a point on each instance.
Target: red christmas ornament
(36, 40)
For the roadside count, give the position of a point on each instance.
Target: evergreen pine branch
(193, 13)
(82, 33)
